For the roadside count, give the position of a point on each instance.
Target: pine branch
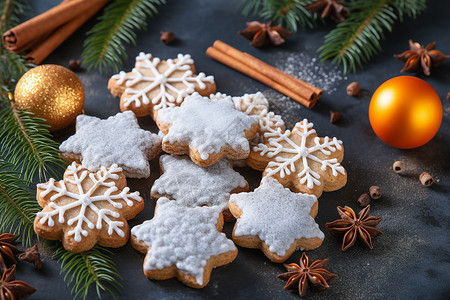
(356, 40)
(94, 267)
(18, 206)
(289, 13)
(26, 142)
(104, 48)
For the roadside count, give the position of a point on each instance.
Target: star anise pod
(421, 58)
(262, 34)
(362, 226)
(7, 250)
(11, 289)
(335, 10)
(301, 276)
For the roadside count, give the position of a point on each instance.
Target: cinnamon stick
(29, 33)
(45, 48)
(298, 86)
(239, 66)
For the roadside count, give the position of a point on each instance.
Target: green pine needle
(104, 48)
(26, 142)
(289, 13)
(356, 40)
(18, 206)
(93, 267)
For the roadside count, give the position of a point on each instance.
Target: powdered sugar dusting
(311, 70)
(192, 185)
(276, 215)
(185, 237)
(207, 125)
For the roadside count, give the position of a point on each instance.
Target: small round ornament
(405, 112)
(51, 92)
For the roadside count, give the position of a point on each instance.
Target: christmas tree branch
(94, 267)
(289, 13)
(356, 40)
(104, 48)
(17, 206)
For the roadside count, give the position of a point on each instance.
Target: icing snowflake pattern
(165, 82)
(299, 152)
(84, 200)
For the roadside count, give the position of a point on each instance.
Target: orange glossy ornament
(405, 112)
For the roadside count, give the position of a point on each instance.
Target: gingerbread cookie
(116, 140)
(155, 84)
(192, 185)
(275, 220)
(87, 208)
(256, 105)
(183, 242)
(208, 130)
(302, 161)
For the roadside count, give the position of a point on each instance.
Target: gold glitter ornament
(51, 92)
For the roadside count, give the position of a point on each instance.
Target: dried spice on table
(7, 250)
(335, 10)
(11, 289)
(262, 34)
(33, 256)
(419, 58)
(361, 226)
(301, 276)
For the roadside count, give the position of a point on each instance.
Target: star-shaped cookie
(302, 161)
(208, 130)
(86, 208)
(116, 140)
(275, 220)
(256, 105)
(192, 185)
(183, 242)
(154, 84)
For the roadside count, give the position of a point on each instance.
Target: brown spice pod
(397, 166)
(364, 200)
(426, 179)
(375, 192)
(335, 116)
(167, 37)
(353, 89)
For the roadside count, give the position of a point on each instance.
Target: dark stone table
(410, 261)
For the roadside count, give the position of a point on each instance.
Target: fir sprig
(357, 39)
(17, 205)
(26, 142)
(94, 267)
(104, 48)
(289, 13)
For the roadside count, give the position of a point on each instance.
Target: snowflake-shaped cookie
(256, 105)
(302, 161)
(155, 84)
(116, 140)
(192, 185)
(275, 220)
(208, 130)
(87, 208)
(183, 242)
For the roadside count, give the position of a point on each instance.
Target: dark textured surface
(410, 261)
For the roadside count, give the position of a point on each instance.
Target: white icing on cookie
(86, 202)
(192, 185)
(287, 156)
(276, 215)
(146, 71)
(255, 105)
(207, 125)
(185, 237)
(116, 140)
